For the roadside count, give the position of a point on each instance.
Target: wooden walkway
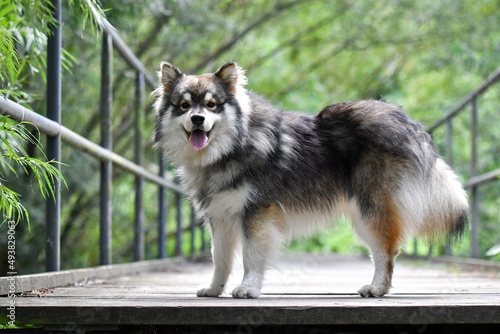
(306, 291)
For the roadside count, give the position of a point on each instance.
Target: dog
(260, 177)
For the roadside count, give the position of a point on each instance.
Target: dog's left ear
(232, 75)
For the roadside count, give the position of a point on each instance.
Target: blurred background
(424, 55)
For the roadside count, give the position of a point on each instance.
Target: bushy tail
(447, 207)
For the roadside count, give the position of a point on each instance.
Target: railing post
(139, 160)
(53, 206)
(192, 230)
(449, 160)
(474, 188)
(178, 231)
(162, 212)
(106, 142)
(203, 246)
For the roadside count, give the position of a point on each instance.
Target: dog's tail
(447, 209)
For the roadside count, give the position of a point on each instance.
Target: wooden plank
(64, 277)
(269, 310)
(305, 290)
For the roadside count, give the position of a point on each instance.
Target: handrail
(54, 129)
(492, 79)
(475, 180)
(127, 54)
(483, 178)
(51, 128)
(57, 133)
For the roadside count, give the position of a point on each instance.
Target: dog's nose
(197, 119)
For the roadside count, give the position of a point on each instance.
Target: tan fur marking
(434, 229)
(428, 229)
(275, 213)
(271, 215)
(389, 229)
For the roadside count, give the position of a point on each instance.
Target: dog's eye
(211, 105)
(185, 106)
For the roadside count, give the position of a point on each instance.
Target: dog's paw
(245, 291)
(209, 292)
(373, 291)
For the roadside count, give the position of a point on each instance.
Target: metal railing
(475, 181)
(56, 133)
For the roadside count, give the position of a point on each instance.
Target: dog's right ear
(169, 74)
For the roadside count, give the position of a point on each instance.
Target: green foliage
(22, 46)
(424, 55)
(23, 326)
(22, 54)
(13, 155)
(340, 239)
(24, 27)
(494, 252)
(90, 12)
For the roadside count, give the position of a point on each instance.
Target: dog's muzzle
(198, 137)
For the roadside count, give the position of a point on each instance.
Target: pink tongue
(198, 139)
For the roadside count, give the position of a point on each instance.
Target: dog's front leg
(254, 264)
(223, 249)
(262, 240)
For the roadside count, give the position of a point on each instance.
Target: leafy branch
(13, 137)
(22, 52)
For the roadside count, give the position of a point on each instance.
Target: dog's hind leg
(382, 233)
(224, 245)
(262, 239)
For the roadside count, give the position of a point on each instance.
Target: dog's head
(200, 118)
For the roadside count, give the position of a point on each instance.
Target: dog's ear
(169, 74)
(232, 75)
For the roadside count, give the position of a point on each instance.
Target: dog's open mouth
(198, 139)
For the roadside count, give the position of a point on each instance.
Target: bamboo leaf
(14, 136)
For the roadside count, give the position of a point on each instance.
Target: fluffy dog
(259, 176)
